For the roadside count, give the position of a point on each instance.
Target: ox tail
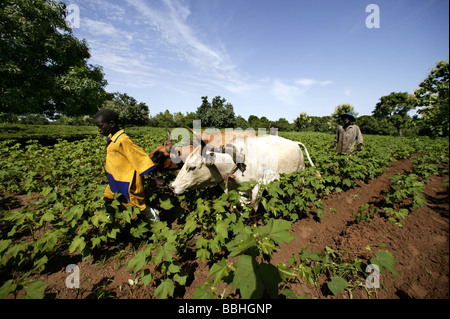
(307, 154)
(309, 159)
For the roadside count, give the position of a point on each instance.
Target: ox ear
(210, 158)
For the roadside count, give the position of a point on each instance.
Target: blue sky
(273, 58)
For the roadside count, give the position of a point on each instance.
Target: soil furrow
(421, 246)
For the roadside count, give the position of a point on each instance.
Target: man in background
(347, 135)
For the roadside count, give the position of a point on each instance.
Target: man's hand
(359, 147)
(160, 182)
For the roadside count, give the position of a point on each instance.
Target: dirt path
(421, 246)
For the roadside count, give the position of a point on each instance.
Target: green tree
(395, 107)
(82, 90)
(283, 125)
(263, 123)
(253, 122)
(189, 119)
(371, 125)
(302, 122)
(242, 123)
(433, 100)
(130, 111)
(179, 120)
(43, 67)
(321, 124)
(217, 114)
(165, 119)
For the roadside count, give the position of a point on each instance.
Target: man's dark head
(107, 121)
(107, 115)
(348, 118)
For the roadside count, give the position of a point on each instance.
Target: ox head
(166, 156)
(197, 172)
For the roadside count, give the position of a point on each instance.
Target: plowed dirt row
(421, 246)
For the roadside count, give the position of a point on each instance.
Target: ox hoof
(151, 215)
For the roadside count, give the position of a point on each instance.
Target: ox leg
(256, 196)
(234, 208)
(245, 198)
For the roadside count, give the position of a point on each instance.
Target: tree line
(44, 75)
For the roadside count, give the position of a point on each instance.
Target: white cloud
(290, 93)
(171, 23)
(323, 83)
(211, 64)
(348, 92)
(310, 82)
(286, 93)
(111, 47)
(306, 82)
(121, 51)
(100, 28)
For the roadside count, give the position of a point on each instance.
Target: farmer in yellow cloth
(126, 164)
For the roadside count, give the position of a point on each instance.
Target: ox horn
(169, 137)
(197, 136)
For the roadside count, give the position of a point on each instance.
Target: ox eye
(191, 168)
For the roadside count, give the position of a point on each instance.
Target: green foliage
(64, 214)
(433, 97)
(395, 107)
(253, 279)
(406, 186)
(376, 126)
(365, 213)
(33, 290)
(341, 273)
(166, 119)
(263, 238)
(130, 111)
(405, 195)
(337, 285)
(43, 67)
(216, 114)
(385, 260)
(165, 289)
(302, 122)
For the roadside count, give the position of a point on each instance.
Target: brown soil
(421, 248)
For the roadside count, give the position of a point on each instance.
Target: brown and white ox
(168, 156)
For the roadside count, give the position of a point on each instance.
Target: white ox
(252, 158)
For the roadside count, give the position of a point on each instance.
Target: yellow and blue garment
(126, 165)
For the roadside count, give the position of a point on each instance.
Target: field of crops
(207, 245)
